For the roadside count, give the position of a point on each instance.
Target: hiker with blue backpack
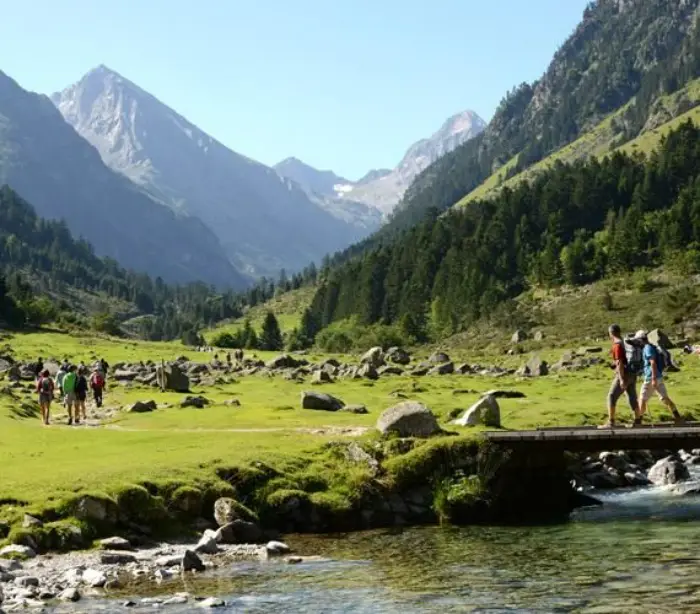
(656, 361)
(627, 358)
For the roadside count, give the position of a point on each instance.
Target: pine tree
(271, 336)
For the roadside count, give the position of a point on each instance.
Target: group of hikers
(72, 382)
(636, 357)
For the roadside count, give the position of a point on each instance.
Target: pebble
(25, 581)
(212, 602)
(70, 594)
(276, 548)
(116, 558)
(115, 543)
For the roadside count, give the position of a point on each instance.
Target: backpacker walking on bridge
(656, 361)
(628, 360)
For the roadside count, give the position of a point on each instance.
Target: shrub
(460, 500)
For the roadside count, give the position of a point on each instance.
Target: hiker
(81, 389)
(38, 367)
(625, 380)
(104, 366)
(44, 387)
(656, 360)
(97, 383)
(60, 374)
(69, 382)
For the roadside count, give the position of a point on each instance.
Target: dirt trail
(347, 431)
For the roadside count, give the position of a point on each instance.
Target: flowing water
(640, 552)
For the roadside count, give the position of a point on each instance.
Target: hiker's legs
(47, 415)
(614, 394)
(644, 395)
(631, 392)
(42, 405)
(666, 400)
(98, 397)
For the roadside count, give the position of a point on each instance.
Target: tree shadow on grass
(26, 410)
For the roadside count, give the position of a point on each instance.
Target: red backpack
(98, 381)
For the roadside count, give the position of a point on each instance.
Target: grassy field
(43, 465)
(287, 308)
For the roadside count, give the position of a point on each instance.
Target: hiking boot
(637, 423)
(607, 425)
(70, 421)
(678, 419)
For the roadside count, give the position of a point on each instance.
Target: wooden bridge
(591, 439)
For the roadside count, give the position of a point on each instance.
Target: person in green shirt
(69, 382)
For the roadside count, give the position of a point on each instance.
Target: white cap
(640, 334)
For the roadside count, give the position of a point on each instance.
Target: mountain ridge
(264, 222)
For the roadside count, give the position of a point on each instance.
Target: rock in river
(669, 470)
(321, 401)
(408, 419)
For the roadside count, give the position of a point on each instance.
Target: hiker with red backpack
(97, 383)
(45, 387)
(628, 363)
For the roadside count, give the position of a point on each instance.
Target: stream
(640, 552)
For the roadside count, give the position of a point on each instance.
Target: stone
(208, 543)
(94, 578)
(539, 336)
(226, 510)
(505, 394)
(518, 336)
(485, 411)
(211, 602)
(659, 338)
(636, 478)
(15, 550)
(191, 562)
(420, 371)
(438, 357)
(355, 409)
(171, 377)
(283, 361)
(88, 507)
(321, 377)
(408, 419)
(26, 581)
(124, 375)
(446, 368)
(390, 370)
(116, 558)
(199, 402)
(320, 401)
(398, 356)
(373, 357)
(669, 470)
(535, 367)
(30, 521)
(141, 407)
(115, 543)
(168, 560)
(368, 371)
(275, 548)
(232, 403)
(112, 584)
(176, 600)
(70, 594)
(239, 532)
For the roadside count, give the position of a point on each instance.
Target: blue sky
(346, 85)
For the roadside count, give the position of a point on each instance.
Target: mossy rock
(63, 536)
(137, 505)
(461, 501)
(226, 510)
(97, 510)
(187, 501)
(287, 509)
(246, 479)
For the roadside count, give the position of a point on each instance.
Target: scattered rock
(70, 594)
(505, 394)
(27, 581)
(228, 510)
(485, 411)
(211, 602)
(373, 357)
(368, 371)
(320, 401)
(169, 560)
(275, 548)
(321, 377)
(535, 367)
(115, 543)
(101, 509)
(398, 356)
(539, 336)
(171, 377)
(94, 578)
(15, 550)
(408, 419)
(191, 562)
(199, 402)
(239, 532)
(518, 336)
(232, 403)
(208, 543)
(669, 470)
(141, 408)
(446, 368)
(438, 357)
(659, 338)
(116, 558)
(283, 361)
(355, 409)
(31, 521)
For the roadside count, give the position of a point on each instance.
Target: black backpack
(634, 353)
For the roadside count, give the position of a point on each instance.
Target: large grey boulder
(368, 371)
(408, 419)
(320, 401)
(228, 510)
(535, 367)
(374, 357)
(438, 357)
(321, 377)
(171, 377)
(398, 356)
(283, 361)
(658, 337)
(446, 368)
(239, 532)
(518, 336)
(485, 411)
(669, 470)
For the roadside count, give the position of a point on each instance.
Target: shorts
(647, 389)
(616, 391)
(70, 398)
(45, 398)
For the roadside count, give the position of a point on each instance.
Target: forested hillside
(49, 275)
(573, 224)
(622, 52)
